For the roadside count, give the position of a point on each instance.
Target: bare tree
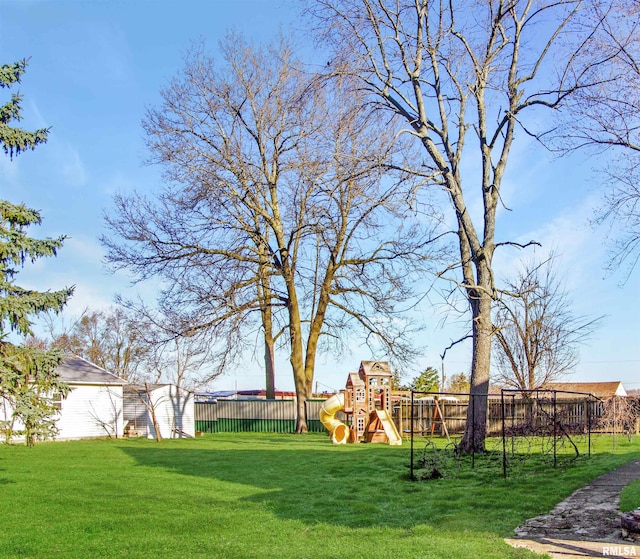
(111, 339)
(622, 208)
(286, 211)
(537, 334)
(620, 414)
(180, 360)
(607, 119)
(447, 69)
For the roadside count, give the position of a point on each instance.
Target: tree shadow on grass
(352, 489)
(367, 486)
(354, 485)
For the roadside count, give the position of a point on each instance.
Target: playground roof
(375, 368)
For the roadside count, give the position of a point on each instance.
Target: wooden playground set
(366, 404)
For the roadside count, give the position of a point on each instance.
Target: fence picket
(269, 416)
(279, 416)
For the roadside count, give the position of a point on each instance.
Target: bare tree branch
(537, 336)
(285, 210)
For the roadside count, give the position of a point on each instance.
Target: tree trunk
(302, 391)
(151, 406)
(315, 330)
(302, 395)
(265, 295)
(269, 348)
(476, 427)
(269, 365)
(297, 355)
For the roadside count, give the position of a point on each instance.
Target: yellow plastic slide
(338, 430)
(389, 427)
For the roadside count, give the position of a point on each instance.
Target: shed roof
(76, 370)
(142, 388)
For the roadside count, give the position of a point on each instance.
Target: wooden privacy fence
(266, 416)
(521, 416)
(279, 416)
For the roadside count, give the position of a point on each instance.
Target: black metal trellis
(412, 469)
(548, 423)
(439, 398)
(558, 429)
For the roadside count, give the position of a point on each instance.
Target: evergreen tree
(15, 140)
(16, 303)
(28, 381)
(459, 384)
(427, 381)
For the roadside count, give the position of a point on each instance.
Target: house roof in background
(598, 389)
(76, 370)
(223, 394)
(602, 390)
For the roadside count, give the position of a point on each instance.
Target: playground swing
(438, 417)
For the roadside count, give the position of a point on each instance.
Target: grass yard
(630, 497)
(264, 496)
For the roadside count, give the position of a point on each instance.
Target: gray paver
(585, 524)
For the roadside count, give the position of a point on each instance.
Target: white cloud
(88, 295)
(35, 116)
(72, 168)
(86, 249)
(579, 250)
(119, 183)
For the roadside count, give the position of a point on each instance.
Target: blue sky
(96, 65)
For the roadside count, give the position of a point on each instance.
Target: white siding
(621, 391)
(6, 410)
(91, 411)
(87, 411)
(135, 412)
(174, 412)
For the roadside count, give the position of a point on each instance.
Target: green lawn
(630, 497)
(263, 496)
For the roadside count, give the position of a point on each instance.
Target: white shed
(172, 406)
(93, 407)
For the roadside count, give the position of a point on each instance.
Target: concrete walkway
(586, 524)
